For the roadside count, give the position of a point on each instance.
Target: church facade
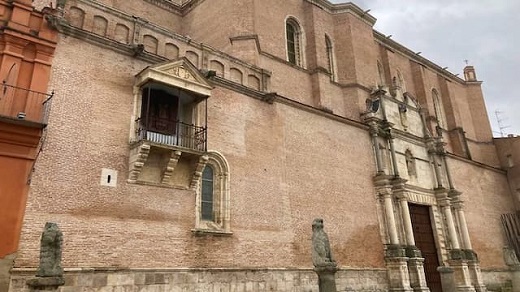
(191, 144)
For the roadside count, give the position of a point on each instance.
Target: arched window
(439, 111)
(206, 212)
(294, 42)
(330, 58)
(213, 196)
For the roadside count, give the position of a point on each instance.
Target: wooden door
(425, 241)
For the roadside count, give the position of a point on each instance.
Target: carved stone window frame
(221, 197)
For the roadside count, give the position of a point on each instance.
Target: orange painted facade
(27, 45)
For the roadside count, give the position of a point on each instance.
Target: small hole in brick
(109, 177)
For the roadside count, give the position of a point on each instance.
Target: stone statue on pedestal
(50, 273)
(324, 264)
(50, 252)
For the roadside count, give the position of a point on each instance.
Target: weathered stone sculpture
(324, 264)
(50, 272)
(50, 251)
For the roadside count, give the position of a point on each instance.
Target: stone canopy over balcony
(169, 134)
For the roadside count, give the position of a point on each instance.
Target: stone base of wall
(498, 280)
(6, 263)
(207, 280)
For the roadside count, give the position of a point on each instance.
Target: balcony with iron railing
(172, 133)
(21, 104)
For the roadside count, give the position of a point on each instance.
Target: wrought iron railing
(174, 134)
(24, 104)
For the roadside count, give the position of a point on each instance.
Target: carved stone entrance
(425, 241)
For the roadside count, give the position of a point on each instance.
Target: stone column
(415, 260)
(392, 152)
(469, 255)
(463, 227)
(390, 219)
(407, 220)
(445, 205)
(437, 170)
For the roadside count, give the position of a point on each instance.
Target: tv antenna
(500, 122)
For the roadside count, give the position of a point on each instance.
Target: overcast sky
(484, 32)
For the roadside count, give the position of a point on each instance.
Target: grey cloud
(448, 32)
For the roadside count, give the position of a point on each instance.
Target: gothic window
(410, 164)
(330, 57)
(294, 42)
(439, 111)
(213, 210)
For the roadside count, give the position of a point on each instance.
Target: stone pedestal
(462, 276)
(515, 277)
(447, 278)
(417, 276)
(397, 267)
(326, 277)
(476, 276)
(45, 283)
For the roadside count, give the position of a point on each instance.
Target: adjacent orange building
(27, 45)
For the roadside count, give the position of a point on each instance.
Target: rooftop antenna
(500, 122)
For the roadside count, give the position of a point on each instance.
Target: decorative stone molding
(168, 171)
(195, 179)
(220, 225)
(138, 157)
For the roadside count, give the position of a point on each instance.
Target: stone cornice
(182, 9)
(395, 46)
(348, 7)
(187, 5)
(410, 138)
